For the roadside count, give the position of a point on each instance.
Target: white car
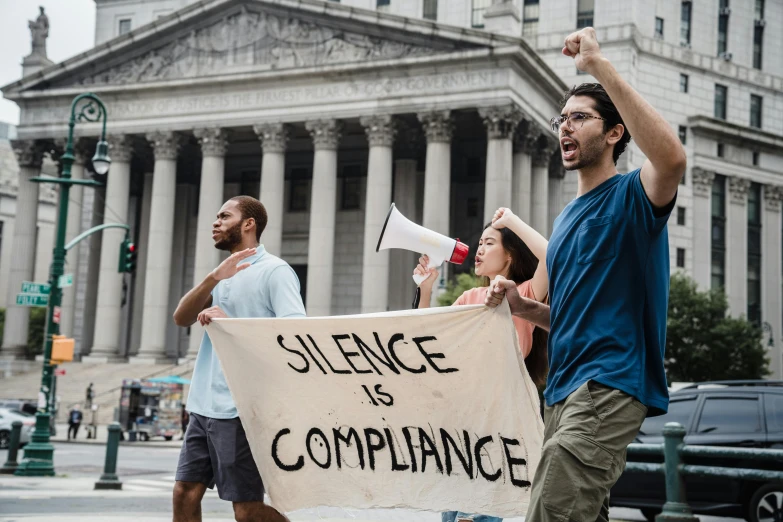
(9, 416)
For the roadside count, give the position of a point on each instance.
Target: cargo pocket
(596, 241)
(577, 465)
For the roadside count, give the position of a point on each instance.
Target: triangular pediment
(228, 37)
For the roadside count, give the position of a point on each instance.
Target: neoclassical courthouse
(329, 111)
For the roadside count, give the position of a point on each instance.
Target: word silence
(426, 409)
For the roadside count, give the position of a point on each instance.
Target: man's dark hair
(252, 208)
(605, 108)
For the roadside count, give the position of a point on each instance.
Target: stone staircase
(107, 384)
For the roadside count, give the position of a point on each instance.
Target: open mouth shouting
(568, 148)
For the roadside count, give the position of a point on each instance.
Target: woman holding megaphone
(508, 247)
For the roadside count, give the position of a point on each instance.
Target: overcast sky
(71, 31)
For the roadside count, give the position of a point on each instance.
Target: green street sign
(35, 288)
(32, 299)
(65, 281)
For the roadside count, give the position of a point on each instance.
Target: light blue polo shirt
(267, 288)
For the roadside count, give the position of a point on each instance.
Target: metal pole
(676, 508)
(10, 465)
(39, 454)
(109, 479)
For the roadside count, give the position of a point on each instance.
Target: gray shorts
(216, 452)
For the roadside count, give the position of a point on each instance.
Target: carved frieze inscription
(171, 104)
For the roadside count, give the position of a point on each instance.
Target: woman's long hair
(522, 268)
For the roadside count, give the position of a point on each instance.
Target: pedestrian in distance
(249, 283)
(74, 421)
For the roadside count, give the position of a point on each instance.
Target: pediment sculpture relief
(250, 40)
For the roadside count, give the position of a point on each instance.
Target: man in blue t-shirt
(608, 266)
(249, 283)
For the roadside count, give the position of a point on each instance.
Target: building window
(718, 269)
(299, 191)
(723, 27)
(351, 198)
(473, 206)
(477, 16)
(125, 25)
(680, 258)
(584, 13)
(721, 150)
(758, 45)
(682, 132)
(721, 95)
(683, 83)
(754, 254)
(301, 274)
(755, 158)
(659, 28)
(685, 24)
(530, 18)
(681, 216)
(759, 9)
(382, 5)
(430, 11)
(755, 111)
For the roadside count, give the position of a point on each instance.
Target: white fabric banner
(420, 409)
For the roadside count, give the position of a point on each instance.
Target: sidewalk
(40, 490)
(102, 435)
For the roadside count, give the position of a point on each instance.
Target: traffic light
(127, 256)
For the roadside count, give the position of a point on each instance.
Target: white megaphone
(399, 232)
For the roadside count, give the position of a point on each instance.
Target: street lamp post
(767, 328)
(39, 454)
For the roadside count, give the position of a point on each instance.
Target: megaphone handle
(416, 298)
(419, 279)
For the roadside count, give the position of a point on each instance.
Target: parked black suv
(746, 414)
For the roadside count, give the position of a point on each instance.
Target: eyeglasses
(575, 120)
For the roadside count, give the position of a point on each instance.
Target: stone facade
(266, 73)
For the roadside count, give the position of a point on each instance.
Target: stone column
(74, 228)
(702, 226)
(274, 137)
(29, 156)
(539, 218)
(141, 261)
(737, 246)
(375, 265)
(521, 182)
(771, 269)
(501, 122)
(108, 311)
(214, 142)
(156, 281)
(408, 142)
(439, 128)
(323, 209)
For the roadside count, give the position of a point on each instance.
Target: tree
(464, 281)
(703, 343)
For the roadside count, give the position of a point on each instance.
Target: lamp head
(101, 160)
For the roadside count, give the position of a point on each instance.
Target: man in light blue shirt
(249, 283)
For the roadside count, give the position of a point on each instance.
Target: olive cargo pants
(585, 441)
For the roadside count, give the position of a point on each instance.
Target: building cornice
(627, 34)
(749, 137)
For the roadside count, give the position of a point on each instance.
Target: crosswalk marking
(165, 483)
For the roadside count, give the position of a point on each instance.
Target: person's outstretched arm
(665, 165)
(505, 218)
